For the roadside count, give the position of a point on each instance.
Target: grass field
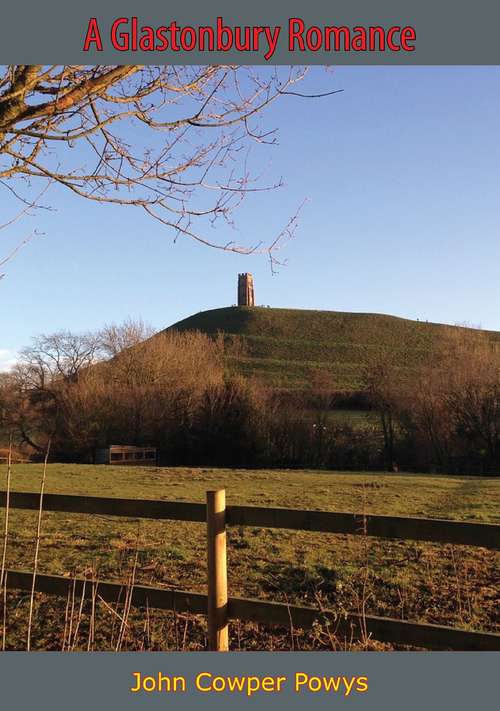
(282, 346)
(422, 582)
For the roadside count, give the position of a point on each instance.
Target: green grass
(428, 495)
(425, 582)
(282, 346)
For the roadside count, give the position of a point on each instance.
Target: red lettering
(296, 27)
(134, 34)
(222, 32)
(163, 41)
(93, 35)
(394, 47)
(209, 33)
(408, 34)
(314, 39)
(119, 40)
(337, 32)
(188, 44)
(147, 41)
(174, 29)
(375, 32)
(272, 38)
(359, 42)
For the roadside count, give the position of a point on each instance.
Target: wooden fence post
(218, 640)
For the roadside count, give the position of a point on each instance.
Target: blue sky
(401, 172)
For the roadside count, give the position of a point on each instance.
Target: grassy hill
(283, 346)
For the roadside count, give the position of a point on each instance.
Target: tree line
(125, 385)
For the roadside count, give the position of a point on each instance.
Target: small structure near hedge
(126, 454)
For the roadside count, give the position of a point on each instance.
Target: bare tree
(117, 338)
(57, 357)
(450, 404)
(381, 383)
(81, 389)
(34, 392)
(168, 140)
(471, 393)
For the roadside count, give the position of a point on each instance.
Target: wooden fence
(220, 608)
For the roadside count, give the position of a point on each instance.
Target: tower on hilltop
(246, 295)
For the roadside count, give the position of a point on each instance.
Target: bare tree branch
(167, 140)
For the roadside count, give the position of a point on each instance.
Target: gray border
(448, 31)
(400, 680)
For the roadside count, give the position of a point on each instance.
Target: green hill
(283, 346)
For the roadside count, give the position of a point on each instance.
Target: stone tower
(245, 290)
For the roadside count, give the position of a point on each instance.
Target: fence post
(217, 571)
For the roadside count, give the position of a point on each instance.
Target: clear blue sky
(402, 176)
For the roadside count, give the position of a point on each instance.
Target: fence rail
(219, 607)
(278, 614)
(418, 529)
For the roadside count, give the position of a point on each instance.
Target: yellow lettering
(349, 683)
(138, 682)
(331, 681)
(300, 680)
(237, 682)
(252, 685)
(362, 685)
(314, 684)
(279, 681)
(149, 683)
(179, 683)
(198, 681)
